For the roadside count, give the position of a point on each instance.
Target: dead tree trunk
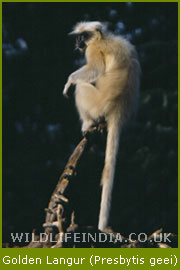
(60, 215)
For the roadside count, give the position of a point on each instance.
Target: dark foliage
(41, 127)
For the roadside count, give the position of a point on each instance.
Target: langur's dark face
(82, 39)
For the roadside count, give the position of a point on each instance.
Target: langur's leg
(86, 97)
(87, 121)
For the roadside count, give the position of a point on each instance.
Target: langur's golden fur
(113, 67)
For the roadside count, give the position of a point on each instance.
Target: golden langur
(107, 86)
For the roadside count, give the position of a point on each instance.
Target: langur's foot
(86, 125)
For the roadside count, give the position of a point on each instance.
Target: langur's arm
(88, 73)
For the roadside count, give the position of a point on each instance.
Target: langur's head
(87, 32)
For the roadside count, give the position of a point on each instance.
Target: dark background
(41, 127)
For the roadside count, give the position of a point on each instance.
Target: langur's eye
(85, 35)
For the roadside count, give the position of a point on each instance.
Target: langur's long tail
(112, 145)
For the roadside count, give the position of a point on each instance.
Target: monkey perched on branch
(107, 86)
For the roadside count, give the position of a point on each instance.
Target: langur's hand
(66, 87)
